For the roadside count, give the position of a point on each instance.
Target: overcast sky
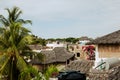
(68, 18)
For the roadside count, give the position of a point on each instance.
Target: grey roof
(58, 54)
(49, 56)
(112, 38)
(61, 54)
(80, 65)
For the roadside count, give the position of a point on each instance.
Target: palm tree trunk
(11, 70)
(14, 73)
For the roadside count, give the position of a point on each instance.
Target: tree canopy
(14, 39)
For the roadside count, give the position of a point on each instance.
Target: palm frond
(4, 21)
(3, 58)
(4, 65)
(50, 72)
(24, 21)
(21, 64)
(18, 14)
(40, 56)
(13, 16)
(2, 30)
(23, 41)
(25, 75)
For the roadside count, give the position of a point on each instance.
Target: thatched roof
(49, 56)
(112, 38)
(58, 54)
(80, 65)
(61, 54)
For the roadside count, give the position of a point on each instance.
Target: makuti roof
(112, 38)
(58, 54)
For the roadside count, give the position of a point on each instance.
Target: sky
(68, 18)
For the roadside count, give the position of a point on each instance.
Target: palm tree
(13, 40)
(13, 16)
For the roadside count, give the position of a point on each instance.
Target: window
(72, 49)
(77, 47)
(68, 61)
(58, 42)
(78, 54)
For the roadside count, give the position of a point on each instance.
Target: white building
(55, 44)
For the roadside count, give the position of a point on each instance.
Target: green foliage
(51, 39)
(60, 39)
(37, 40)
(71, 40)
(13, 16)
(40, 56)
(36, 75)
(51, 71)
(14, 39)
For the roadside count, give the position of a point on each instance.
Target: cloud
(52, 18)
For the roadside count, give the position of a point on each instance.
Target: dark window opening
(58, 42)
(72, 49)
(77, 47)
(68, 61)
(78, 54)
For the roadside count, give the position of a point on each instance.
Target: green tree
(71, 40)
(51, 71)
(51, 40)
(13, 40)
(38, 40)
